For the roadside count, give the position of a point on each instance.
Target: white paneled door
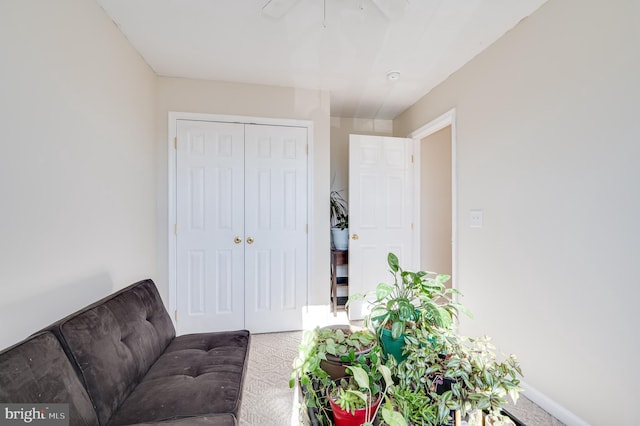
(210, 216)
(275, 226)
(241, 226)
(381, 211)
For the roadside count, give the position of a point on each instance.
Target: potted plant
(342, 345)
(323, 354)
(339, 221)
(453, 373)
(355, 399)
(440, 376)
(411, 299)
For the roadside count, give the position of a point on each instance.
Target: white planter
(340, 238)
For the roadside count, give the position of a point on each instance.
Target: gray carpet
(268, 401)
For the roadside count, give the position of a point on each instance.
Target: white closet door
(276, 222)
(380, 211)
(210, 220)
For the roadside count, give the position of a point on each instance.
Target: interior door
(210, 226)
(381, 211)
(276, 227)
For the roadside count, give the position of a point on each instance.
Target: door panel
(276, 219)
(380, 211)
(210, 265)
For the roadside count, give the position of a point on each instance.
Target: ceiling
(346, 47)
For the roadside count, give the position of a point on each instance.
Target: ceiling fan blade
(278, 8)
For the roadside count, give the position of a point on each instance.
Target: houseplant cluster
(407, 366)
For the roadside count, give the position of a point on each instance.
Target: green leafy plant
(342, 342)
(453, 372)
(369, 381)
(313, 351)
(440, 371)
(420, 298)
(339, 210)
(413, 407)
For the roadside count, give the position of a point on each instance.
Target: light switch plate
(475, 218)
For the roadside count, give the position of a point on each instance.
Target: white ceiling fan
(278, 8)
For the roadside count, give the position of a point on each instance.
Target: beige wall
(213, 97)
(341, 128)
(435, 202)
(548, 146)
(77, 170)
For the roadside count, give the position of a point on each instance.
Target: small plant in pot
(323, 354)
(342, 345)
(339, 220)
(356, 398)
(412, 299)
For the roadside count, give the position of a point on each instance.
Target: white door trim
(439, 123)
(172, 194)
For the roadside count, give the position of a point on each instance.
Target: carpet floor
(267, 399)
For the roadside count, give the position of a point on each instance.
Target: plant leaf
(359, 394)
(331, 347)
(360, 376)
(386, 374)
(397, 329)
(392, 259)
(392, 418)
(383, 291)
(405, 310)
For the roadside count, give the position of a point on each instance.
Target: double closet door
(241, 226)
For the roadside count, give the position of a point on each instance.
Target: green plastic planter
(391, 346)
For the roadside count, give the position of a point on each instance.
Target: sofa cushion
(197, 375)
(211, 420)
(115, 341)
(37, 370)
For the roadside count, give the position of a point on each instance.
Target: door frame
(433, 126)
(173, 118)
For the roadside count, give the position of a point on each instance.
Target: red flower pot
(345, 418)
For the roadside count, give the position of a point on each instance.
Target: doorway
(435, 202)
(438, 139)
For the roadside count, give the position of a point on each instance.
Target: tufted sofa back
(115, 341)
(37, 370)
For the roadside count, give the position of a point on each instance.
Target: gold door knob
(237, 240)
(250, 240)
(354, 237)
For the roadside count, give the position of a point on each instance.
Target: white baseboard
(552, 407)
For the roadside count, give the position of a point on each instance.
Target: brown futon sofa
(118, 362)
